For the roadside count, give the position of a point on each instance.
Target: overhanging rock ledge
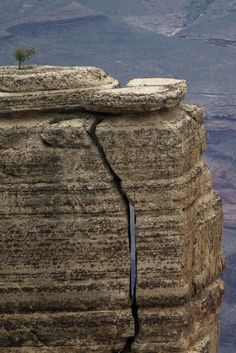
(86, 88)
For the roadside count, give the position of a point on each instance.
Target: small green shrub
(23, 54)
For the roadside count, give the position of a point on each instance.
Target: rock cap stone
(140, 95)
(85, 88)
(45, 78)
(158, 81)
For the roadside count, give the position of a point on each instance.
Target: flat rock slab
(44, 78)
(157, 81)
(140, 95)
(84, 88)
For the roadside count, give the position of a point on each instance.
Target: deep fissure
(131, 214)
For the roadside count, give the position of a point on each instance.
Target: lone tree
(23, 54)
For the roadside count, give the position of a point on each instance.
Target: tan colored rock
(67, 179)
(76, 329)
(49, 78)
(158, 158)
(139, 97)
(84, 88)
(183, 328)
(196, 112)
(64, 229)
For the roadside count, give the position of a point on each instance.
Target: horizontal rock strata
(65, 329)
(75, 151)
(178, 328)
(50, 89)
(64, 230)
(158, 158)
(49, 78)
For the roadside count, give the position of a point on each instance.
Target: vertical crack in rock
(131, 214)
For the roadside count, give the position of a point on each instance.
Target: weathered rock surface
(65, 193)
(179, 224)
(171, 192)
(49, 88)
(139, 95)
(43, 78)
(182, 328)
(64, 230)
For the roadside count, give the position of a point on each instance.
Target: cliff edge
(110, 230)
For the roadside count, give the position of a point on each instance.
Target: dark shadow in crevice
(131, 214)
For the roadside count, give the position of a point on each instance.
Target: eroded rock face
(139, 95)
(83, 88)
(178, 227)
(50, 78)
(66, 188)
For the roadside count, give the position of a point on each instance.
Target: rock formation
(85, 165)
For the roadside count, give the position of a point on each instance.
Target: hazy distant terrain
(190, 39)
(130, 38)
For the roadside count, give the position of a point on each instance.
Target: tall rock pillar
(96, 179)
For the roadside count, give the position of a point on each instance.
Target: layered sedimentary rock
(76, 151)
(64, 244)
(46, 88)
